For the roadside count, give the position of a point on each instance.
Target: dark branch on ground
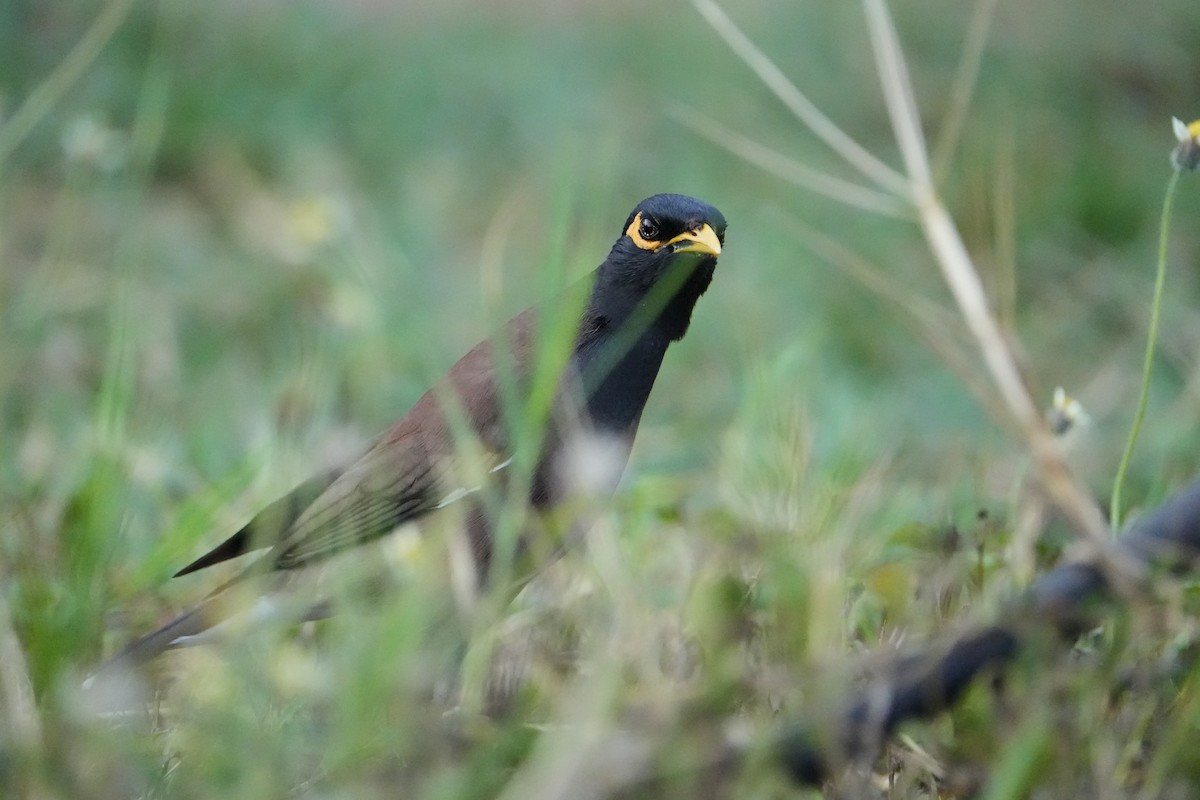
(922, 685)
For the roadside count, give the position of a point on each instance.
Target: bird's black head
(667, 225)
(666, 257)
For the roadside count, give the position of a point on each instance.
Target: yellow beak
(702, 240)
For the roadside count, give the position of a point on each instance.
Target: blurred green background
(251, 234)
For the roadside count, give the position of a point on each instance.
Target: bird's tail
(212, 620)
(189, 623)
(139, 651)
(115, 686)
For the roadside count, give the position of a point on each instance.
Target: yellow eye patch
(634, 232)
(702, 239)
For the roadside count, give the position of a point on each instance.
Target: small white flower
(1186, 154)
(88, 140)
(1181, 129)
(1065, 413)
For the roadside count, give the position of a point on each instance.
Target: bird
(638, 302)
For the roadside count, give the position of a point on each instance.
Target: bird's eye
(648, 230)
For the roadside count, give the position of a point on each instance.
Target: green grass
(279, 223)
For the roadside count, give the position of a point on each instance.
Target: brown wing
(418, 465)
(407, 473)
(268, 526)
(392, 484)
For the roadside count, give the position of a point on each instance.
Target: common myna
(640, 300)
